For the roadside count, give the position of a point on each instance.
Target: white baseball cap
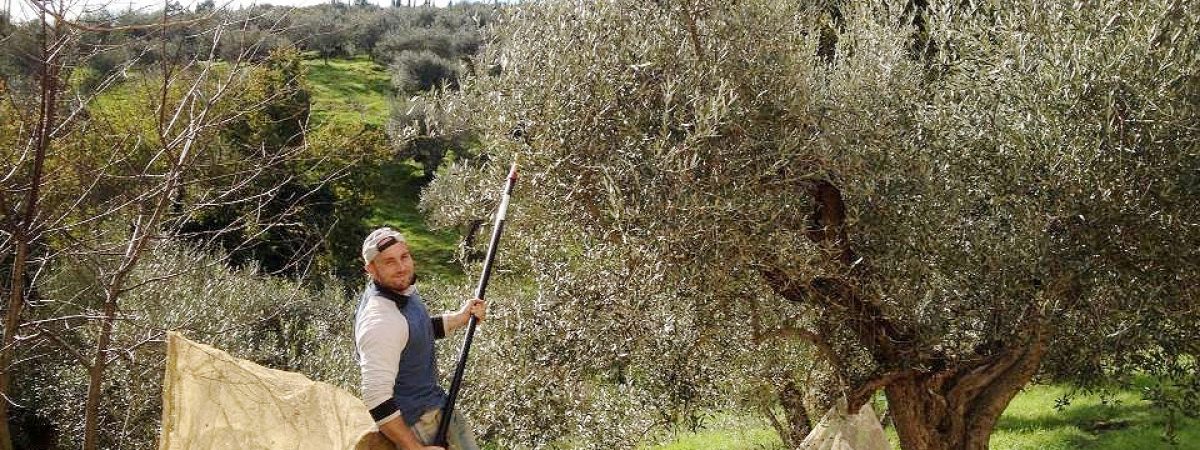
(378, 241)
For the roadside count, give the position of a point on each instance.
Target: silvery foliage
(1003, 165)
(276, 322)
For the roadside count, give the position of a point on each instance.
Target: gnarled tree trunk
(958, 408)
(951, 408)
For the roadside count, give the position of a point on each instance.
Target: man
(394, 334)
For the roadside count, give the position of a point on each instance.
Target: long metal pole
(480, 290)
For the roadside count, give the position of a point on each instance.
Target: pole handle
(480, 290)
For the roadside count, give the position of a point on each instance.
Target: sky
(23, 9)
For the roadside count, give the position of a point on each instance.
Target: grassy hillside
(360, 91)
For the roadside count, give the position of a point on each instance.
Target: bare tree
(118, 187)
(23, 220)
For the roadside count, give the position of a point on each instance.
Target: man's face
(393, 268)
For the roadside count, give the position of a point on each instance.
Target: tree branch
(823, 347)
(79, 357)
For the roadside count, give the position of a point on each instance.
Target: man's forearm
(454, 321)
(400, 434)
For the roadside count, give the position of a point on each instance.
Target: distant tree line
(426, 46)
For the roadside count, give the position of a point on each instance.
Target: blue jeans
(458, 436)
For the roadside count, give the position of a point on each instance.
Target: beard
(398, 285)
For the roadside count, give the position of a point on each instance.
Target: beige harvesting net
(212, 400)
(840, 430)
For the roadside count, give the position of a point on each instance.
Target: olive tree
(941, 201)
(280, 323)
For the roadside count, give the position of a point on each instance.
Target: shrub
(422, 71)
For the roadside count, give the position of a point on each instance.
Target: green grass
(727, 431)
(752, 439)
(1120, 421)
(396, 206)
(349, 90)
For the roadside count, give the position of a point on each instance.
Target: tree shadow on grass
(1104, 426)
(1091, 418)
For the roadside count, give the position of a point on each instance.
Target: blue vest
(416, 389)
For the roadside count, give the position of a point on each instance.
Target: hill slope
(359, 91)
